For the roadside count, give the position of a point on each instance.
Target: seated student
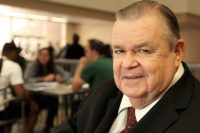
(43, 69)
(95, 67)
(11, 74)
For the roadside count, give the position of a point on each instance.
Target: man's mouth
(132, 77)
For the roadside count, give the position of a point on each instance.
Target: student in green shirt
(95, 67)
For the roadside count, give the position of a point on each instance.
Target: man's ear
(179, 50)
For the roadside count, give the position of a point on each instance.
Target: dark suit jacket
(178, 111)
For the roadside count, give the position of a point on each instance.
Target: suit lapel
(103, 107)
(158, 119)
(110, 115)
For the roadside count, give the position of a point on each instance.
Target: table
(62, 90)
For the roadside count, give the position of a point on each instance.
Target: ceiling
(114, 5)
(178, 6)
(102, 5)
(107, 6)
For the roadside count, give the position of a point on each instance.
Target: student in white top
(11, 85)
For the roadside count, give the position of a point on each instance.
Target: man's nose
(130, 61)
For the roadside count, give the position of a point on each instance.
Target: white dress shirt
(120, 121)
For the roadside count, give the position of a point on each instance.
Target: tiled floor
(17, 127)
(38, 128)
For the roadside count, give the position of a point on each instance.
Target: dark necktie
(131, 120)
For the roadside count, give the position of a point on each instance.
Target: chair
(5, 122)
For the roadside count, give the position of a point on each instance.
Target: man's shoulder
(101, 63)
(10, 63)
(105, 61)
(101, 95)
(108, 89)
(98, 102)
(109, 84)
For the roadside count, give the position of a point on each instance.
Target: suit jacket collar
(102, 108)
(168, 109)
(110, 115)
(104, 104)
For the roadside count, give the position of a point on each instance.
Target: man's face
(89, 53)
(143, 63)
(13, 55)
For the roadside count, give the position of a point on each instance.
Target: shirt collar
(4, 57)
(125, 102)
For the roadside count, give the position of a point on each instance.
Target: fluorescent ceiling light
(15, 14)
(59, 20)
(6, 11)
(37, 17)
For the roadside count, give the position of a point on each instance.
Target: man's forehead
(144, 25)
(152, 15)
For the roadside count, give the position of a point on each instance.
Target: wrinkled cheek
(117, 72)
(117, 78)
(152, 82)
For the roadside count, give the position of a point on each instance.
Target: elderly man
(156, 87)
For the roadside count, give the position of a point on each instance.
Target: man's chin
(134, 92)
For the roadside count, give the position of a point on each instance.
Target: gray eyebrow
(142, 45)
(114, 46)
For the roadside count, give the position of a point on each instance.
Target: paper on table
(43, 86)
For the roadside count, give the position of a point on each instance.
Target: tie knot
(131, 110)
(131, 119)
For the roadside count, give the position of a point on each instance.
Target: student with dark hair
(95, 67)
(19, 58)
(43, 69)
(11, 83)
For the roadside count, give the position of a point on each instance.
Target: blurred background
(35, 23)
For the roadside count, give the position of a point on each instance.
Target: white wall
(101, 31)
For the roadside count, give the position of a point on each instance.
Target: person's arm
(76, 81)
(61, 74)
(48, 78)
(21, 92)
(16, 81)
